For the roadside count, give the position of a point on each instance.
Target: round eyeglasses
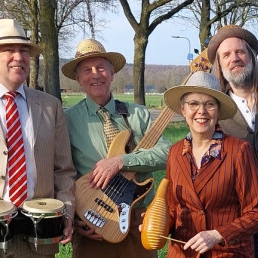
(208, 105)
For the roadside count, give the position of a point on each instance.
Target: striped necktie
(16, 154)
(110, 130)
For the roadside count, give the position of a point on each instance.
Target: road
(155, 113)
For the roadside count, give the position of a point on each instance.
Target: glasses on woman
(208, 105)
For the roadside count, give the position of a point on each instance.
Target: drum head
(6, 208)
(48, 206)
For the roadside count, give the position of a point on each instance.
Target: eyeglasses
(195, 105)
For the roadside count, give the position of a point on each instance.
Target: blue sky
(162, 48)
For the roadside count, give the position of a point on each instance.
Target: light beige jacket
(55, 170)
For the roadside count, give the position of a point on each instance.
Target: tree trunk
(140, 44)
(49, 40)
(205, 24)
(34, 37)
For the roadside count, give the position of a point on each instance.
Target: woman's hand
(204, 241)
(140, 226)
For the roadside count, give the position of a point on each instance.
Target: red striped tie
(16, 154)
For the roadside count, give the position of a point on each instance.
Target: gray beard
(242, 79)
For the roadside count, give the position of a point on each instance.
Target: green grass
(152, 101)
(173, 132)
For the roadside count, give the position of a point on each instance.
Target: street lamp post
(189, 55)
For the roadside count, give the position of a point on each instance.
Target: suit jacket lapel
(34, 107)
(256, 134)
(207, 172)
(186, 180)
(2, 138)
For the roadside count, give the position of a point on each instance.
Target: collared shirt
(249, 115)
(214, 150)
(89, 146)
(28, 138)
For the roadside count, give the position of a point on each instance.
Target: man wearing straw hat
(94, 68)
(233, 53)
(41, 153)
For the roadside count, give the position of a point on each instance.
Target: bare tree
(217, 13)
(152, 14)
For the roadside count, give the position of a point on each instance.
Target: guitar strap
(121, 109)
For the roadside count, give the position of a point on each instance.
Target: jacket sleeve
(246, 185)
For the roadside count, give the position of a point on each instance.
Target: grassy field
(174, 132)
(152, 101)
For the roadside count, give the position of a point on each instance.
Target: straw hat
(92, 48)
(202, 82)
(11, 32)
(230, 31)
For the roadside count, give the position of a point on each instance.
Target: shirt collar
(4, 90)
(215, 144)
(93, 106)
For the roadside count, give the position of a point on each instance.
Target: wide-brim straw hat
(201, 82)
(230, 31)
(92, 48)
(11, 32)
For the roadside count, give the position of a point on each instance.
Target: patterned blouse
(213, 152)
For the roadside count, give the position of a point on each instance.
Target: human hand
(140, 226)
(104, 171)
(68, 231)
(82, 228)
(204, 241)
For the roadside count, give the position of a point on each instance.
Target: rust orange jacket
(224, 196)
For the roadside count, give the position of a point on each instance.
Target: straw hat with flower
(11, 32)
(92, 48)
(201, 82)
(230, 31)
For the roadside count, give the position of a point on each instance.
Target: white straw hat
(202, 82)
(11, 32)
(92, 48)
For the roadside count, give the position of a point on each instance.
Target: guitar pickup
(94, 218)
(104, 205)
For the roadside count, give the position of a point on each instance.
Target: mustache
(235, 64)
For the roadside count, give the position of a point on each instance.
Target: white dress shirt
(28, 138)
(242, 105)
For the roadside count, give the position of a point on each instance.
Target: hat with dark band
(11, 32)
(201, 82)
(92, 48)
(230, 31)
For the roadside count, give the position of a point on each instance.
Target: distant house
(149, 89)
(129, 89)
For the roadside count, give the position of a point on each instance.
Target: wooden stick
(179, 241)
(175, 240)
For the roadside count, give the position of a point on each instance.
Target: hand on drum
(82, 228)
(68, 232)
(204, 241)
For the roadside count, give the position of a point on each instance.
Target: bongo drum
(47, 220)
(7, 212)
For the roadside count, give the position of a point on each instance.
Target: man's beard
(240, 79)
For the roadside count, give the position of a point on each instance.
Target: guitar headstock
(201, 63)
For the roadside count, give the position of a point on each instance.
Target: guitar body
(108, 210)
